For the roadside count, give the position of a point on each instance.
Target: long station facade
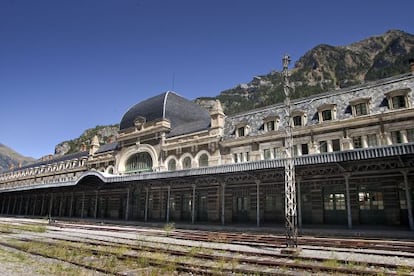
(175, 161)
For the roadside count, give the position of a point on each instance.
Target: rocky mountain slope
(106, 134)
(9, 158)
(325, 68)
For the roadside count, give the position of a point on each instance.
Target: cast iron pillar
(290, 188)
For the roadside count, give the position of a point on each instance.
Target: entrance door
(202, 210)
(404, 206)
(241, 206)
(186, 207)
(371, 207)
(334, 207)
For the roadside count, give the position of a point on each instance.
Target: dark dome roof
(185, 116)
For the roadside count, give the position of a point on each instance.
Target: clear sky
(69, 65)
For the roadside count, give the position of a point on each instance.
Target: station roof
(185, 116)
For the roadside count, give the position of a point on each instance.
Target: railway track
(395, 246)
(135, 251)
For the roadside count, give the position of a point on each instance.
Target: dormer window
(271, 123)
(398, 98)
(242, 130)
(327, 115)
(327, 112)
(398, 102)
(139, 122)
(298, 118)
(360, 106)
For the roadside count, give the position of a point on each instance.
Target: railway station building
(175, 161)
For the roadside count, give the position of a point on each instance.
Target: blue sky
(66, 66)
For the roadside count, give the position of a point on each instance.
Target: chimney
(411, 62)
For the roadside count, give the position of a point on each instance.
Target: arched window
(172, 165)
(203, 160)
(140, 162)
(187, 163)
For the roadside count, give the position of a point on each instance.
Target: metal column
(298, 200)
(408, 200)
(50, 206)
(2, 204)
(83, 204)
(127, 205)
(42, 207)
(96, 205)
(193, 205)
(290, 187)
(71, 205)
(146, 204)
(60, 205)
(258, 202)
(348, 200)
(223, 190)
(34, 205)
(14, 205)
(168, 204)
(21, 205)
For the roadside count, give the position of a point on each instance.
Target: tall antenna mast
(290, 186)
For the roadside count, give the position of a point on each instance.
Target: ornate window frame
(356, 112)
(327, 112)
(301, 114)
(394, 95)
(242, 129)
(271, 123)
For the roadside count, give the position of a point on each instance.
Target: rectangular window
(240, 131)
(235, 157)
(277, 153)
(334, 202)
(323, 146)
(357, 141)
(403, 201)
(410, 135)
(364, 201)
(186, 203)
(327, 115)
(267, 154)
(297, 120)
(329, 202)
(247, 156)
(340, 202)
(372, 140)
(336, 145)
(361, 109)
(295, 150)
(270, 125)
(396, 137)
(398, 102)
(377, 201)
(305, 149)
(242, 203)
(371, 201)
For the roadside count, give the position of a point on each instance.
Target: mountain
(325, 68)
(106, 134)
(9, 158)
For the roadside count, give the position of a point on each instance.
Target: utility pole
(290, 188)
